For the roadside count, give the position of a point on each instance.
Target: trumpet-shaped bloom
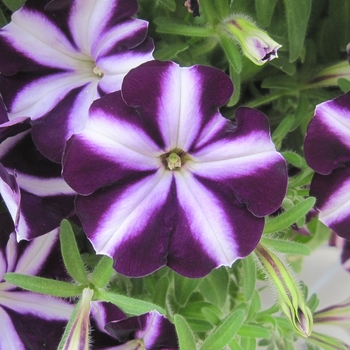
(166, 180)
(31, 186)
(327, 151)
(29, 320)
(59, 56)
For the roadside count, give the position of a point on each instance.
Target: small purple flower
(166, 180)
(59, 56)
(31, 186)
(29, 320)
(327, 151)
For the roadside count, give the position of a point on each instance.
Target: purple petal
(333, 200)
(32, 188)
(327, 142)
(200, 89)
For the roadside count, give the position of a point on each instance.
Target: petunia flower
(31, 186)
(166, 180)
(327, 151)
(59, 56)
(30, 320)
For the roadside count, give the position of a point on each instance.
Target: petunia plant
(165, 166)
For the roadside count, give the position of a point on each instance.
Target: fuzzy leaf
(184, 333)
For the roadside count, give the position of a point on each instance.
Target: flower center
(98, 71)
(174, 159)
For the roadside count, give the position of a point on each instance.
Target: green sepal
(184, 333)
(223, 334)
(102, 272)
(289, 217)
(43, 285)
(71, 255)
(285, 246)
(128, 305)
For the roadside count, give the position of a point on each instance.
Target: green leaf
(254, 331)
(170, 26)
(169, 4)
(161, 289)
(102, 272)
(249, 276)
(282, 130)
(290, 216)
(222, 8)
(280, 82)
(126, 304)
(344, 84)
(236, 79)
(264, 10)
(214, 287)
(287, 247)
(43, 285)
(184, 333)
(294, 159)
(70, 253)
(3, 20)
(13, 5)
(184, 287)
(169, 51)
(298, 13)
(226, 331)
(232, 53)
(233, 344)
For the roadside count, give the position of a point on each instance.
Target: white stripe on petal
(38, 38)
(43, 187)
(35, 254)
(40, 96)
(336, 119)
(9, 340)
(208, 221)
(337, 206)
(129, 215)
(43, 306)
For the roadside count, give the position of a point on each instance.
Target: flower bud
(78, 335)
(289, 295)
(330, 75)
(337, 315)
(255, 43)
(327, 342)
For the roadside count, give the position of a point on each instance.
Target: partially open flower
(67, 54)
(173, 182)
(327, 151)
(256, 44)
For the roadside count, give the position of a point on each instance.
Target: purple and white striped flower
(30, 320)
(327, 151)
(166, 180)
(31, 186)
(58, 56)
(151, 331)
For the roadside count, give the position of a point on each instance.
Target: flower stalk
(289, 295)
